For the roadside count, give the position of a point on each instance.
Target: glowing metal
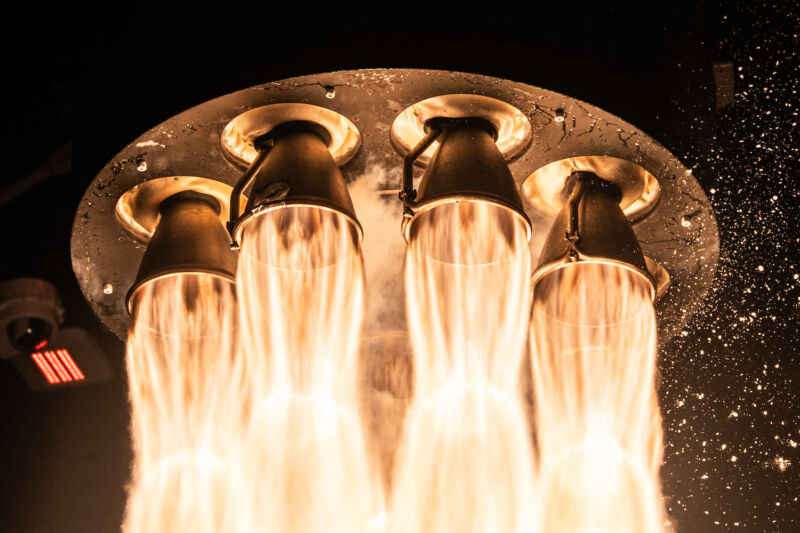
(640, 189)
(137, 209)
(512, 126)
(239, 134)
(69, 362)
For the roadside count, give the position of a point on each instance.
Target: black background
(87, 84)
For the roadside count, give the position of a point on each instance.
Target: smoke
(374, 194)
(385, 357)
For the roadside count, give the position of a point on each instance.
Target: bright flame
(464, 463)
(304, 465)
(185, 405)
(253, 423)
(598, 427)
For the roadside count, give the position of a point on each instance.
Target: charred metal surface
(680, 233)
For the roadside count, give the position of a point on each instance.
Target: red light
(41, 345)
(41, 362)
(69, 362)
(58, 366)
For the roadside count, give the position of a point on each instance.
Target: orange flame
(304, 465)
(598, 427)
(465, 459)
(183, 381)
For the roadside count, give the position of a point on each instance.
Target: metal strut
(573, 235)
(408, 194)
(263, 146)
(577, 184)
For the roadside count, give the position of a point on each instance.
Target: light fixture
(30, 315)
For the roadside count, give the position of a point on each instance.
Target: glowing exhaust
(593, 351)
(465, 458)
(248, 389)
(598, 427)
(303, 462)
(185, 385)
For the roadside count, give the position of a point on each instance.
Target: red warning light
(70, 363)
(40, 345)
(45, 368)
(58, 366)
(55, 364)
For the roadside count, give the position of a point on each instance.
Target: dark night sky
(729, 382)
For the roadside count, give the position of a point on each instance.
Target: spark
(781, 463)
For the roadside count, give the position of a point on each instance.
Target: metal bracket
(572, 234)
(408, 194)
(435, 128)
(263, 146)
